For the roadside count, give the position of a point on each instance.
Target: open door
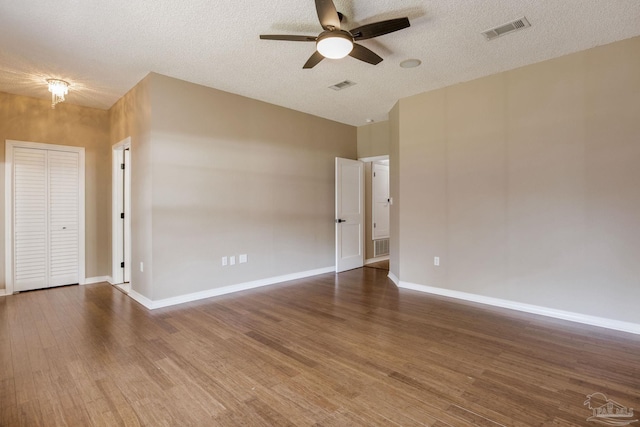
(349, 214)
(121, 205)
(126, 190)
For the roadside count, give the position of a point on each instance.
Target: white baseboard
(602, 322)
(180, 299)
(378, 259)
(97, 279)
(141, 299)
(394, 278)
(3, 292)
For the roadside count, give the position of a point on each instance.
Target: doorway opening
(377, 207)
(121, 216)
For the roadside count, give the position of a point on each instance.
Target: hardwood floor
(333, 350)
(382, 265)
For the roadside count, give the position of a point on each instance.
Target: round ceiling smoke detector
(410, 63)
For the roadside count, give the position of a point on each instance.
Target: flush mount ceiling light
(410, 63)
(334, 44)
(58, 89)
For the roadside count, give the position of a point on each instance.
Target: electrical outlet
(232, 260)
(224, 261)
(242, 258)
(436, 260)
(141, 267)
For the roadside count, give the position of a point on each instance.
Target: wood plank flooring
(332, 350)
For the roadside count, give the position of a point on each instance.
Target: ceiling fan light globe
(334, 46)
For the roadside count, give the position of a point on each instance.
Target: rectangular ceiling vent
(516, 25)
(342, 85)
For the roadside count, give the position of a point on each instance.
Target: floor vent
(342, 85)
(510, 27)
(380, 247)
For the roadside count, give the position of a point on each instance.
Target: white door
(46, 220)
(349, 214)
(127, 215)
(121, 211)
(380, 186)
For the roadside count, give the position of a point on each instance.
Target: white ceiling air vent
(503, 29)
(342, 85)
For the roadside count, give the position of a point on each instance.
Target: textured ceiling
(103, 48)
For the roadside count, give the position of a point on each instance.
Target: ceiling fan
(336, 43)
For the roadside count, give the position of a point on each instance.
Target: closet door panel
(30, 219)
(63, 217)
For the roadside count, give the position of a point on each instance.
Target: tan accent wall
(230, 176)
(131, 117)
(29, 119)
(525, 183)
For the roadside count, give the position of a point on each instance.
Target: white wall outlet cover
(242, 258)
(141, 267)
(436, 260)
(224, 261)
(232, 260)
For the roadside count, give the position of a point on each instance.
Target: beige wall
(131, 117)
(368, 210)
(232, 175)
(30, 119)
(525, 183)
(394, 190)
(373, 140)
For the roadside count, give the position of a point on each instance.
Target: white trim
(125, 287)
(117, 155)
(374, 158)
(8, 204)
(602, 322)
(3, 293)
(393, 278)
(141, 299)
(374, 260)
(96, 279)
(180, 299)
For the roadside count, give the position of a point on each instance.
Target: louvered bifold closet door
(63, 217)
(30, 219)
(46, 218)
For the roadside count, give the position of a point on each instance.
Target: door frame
(8, 205)
(369, 224)
(117, 206)
(373, 198)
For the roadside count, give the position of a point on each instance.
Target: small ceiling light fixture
(369, 120)
(58, 89)
(334, 44)
(410, 63)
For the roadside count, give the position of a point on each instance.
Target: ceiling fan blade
(379, 28)
(363, 54)
(327, 14)
(286, 37)
(313, 60)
